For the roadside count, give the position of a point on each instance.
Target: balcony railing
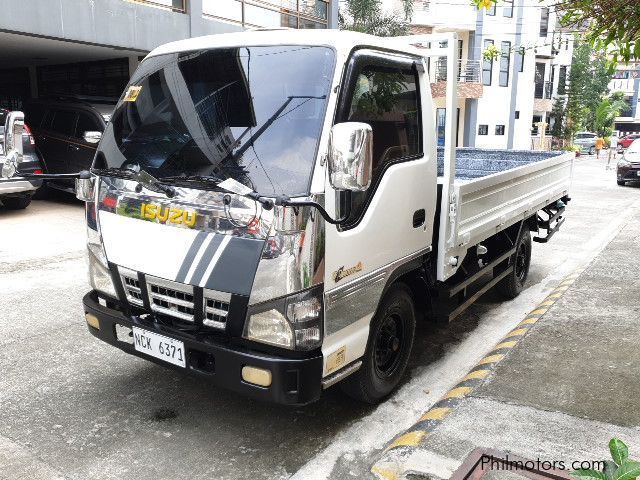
(543, 90)
(469, 71)
(175, 5)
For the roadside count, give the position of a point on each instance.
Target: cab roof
(338, 39)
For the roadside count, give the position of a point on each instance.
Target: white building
(627, 79)
(501, 101)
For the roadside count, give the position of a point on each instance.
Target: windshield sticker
(132, 93)
(235, 186)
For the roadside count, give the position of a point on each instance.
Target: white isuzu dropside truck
(269, 210)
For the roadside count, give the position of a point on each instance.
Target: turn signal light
(256, 376)
(92, 320)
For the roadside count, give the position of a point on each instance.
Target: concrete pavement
(72, 406)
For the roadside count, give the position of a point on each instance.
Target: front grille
(171, 298)
(131, 286)
(216, 308)
(177, 300)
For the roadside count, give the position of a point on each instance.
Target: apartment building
(627, 79)
(505, 102)
(90, 47)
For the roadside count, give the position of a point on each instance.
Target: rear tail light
(27, 131)
(37, 171)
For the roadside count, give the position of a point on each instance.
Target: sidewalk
(567, 387)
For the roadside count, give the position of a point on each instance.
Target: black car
(67, 132)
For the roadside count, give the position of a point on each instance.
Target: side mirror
(13, 127)
(92, 137)
(85, 185)
(350, 156)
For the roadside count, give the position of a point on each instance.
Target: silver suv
(586, 141)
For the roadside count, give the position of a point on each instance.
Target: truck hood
(192, 239)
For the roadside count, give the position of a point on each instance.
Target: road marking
(414, 436)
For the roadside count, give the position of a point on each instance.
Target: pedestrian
(613, 149)
(599, 145)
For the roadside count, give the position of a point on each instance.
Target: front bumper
(294, 381)
(629, 174)
(21, 184)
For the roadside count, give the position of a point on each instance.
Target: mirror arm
(287, 202)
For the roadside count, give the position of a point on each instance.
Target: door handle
(73, 147)
(419, 217)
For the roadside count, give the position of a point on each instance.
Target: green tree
(558, 114)
(368, 16)
(588, 84)
(606, 112)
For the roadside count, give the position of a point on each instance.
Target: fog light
(256, 376)
(92, 320)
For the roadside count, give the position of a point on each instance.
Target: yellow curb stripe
(517, 332)
(491, 359)
(384, 473)
(540, 311)
(562, 288)
(568, 282)
(547, 303)
(476, 374)
(528, 321)
(510, 344)
(555, 295)
(409, 439)
(435, 414)
(458, 392)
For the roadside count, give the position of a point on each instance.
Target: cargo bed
(494, 189)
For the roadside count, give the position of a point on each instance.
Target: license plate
(159, 346)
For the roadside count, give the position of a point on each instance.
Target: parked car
(18, 194)
(627, 140)
(628, 169)
(586, 141)
(67, 131)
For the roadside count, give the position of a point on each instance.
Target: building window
(505, 62)
(487, 65)
(492, 10)
(534, 124)
(544, 21)
(270, 13)
(499, 129)
(508, 9)
(520, 59)
(483, 129)
(562, 80)
(517, 115)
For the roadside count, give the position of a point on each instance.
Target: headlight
(623, 162)
(293, 322)
(99, 275)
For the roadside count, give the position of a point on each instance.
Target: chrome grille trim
(216, 308)
(131, 286)
(171, 298)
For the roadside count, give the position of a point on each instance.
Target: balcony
(469, 79)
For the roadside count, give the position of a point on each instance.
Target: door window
(64, 122)
(86, 123)
(385, 96)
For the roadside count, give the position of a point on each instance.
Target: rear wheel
(592, 150)
(388, 348)
(16, 203)
(511, 286)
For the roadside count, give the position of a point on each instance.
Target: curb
(390, 465)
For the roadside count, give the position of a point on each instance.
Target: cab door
(82, 152)
(391, 224)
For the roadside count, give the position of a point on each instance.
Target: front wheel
(621, 183)
(388, 348)
(511, 285)
(592, 150)
(16, 203)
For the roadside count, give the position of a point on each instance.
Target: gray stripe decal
(237, 266)
(191, 254)
(206, 258)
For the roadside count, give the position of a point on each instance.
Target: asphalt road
(73, 407)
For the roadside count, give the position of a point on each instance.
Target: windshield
(253, 114)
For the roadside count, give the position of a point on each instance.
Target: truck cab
(270, 211)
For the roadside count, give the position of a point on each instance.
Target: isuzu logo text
(163, 214)
(345, 272)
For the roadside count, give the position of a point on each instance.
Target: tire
(592, 150)
(622, 183)
(16, 203)
(388, 348)
(512, 285)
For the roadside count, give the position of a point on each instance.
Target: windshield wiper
(142, 177)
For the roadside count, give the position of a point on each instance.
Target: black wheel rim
(521, 263)
(389, 345)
